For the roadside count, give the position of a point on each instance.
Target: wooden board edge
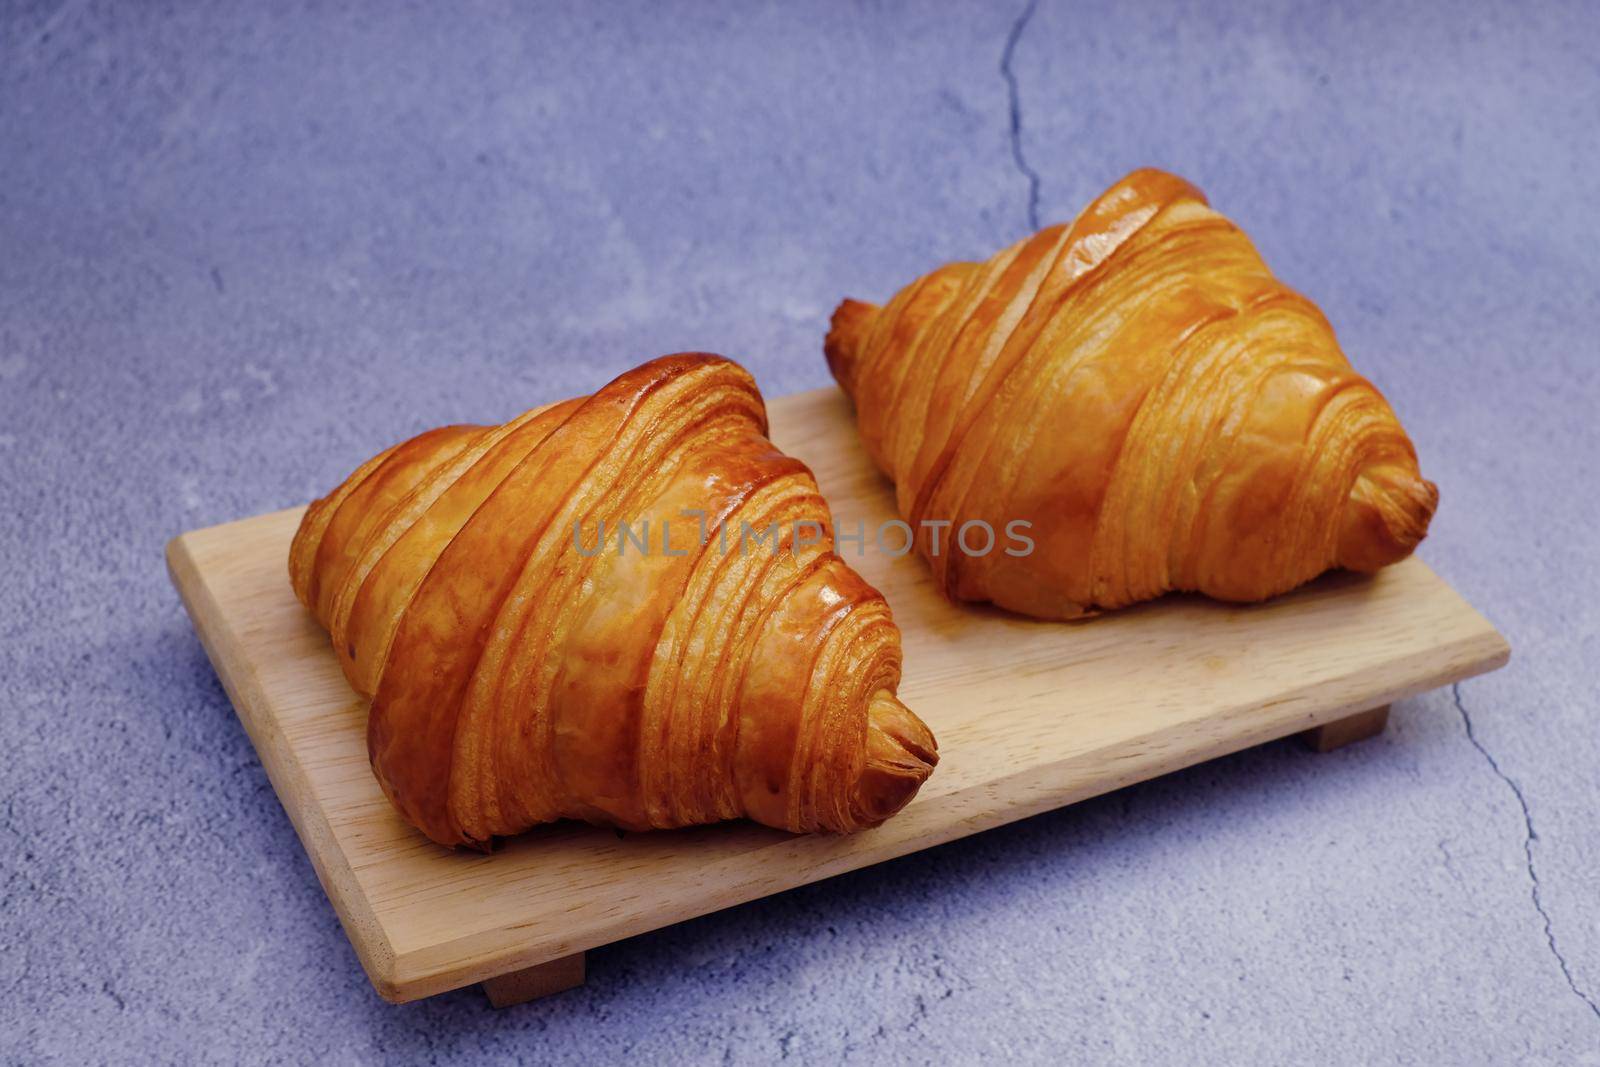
(436, 968)
(264, 518)
(289, 782)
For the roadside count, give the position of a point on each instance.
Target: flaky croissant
(1140, 392)
(527, 664)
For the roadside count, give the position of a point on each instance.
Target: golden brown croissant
(526, 664)
(1138, 388)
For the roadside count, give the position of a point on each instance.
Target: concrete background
(242, 246)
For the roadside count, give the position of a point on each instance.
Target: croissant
(1140, 403)
(530, 658)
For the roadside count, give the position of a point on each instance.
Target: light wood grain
(1029, 715)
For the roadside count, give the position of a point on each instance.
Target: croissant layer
(623, 608)
(1137, 397)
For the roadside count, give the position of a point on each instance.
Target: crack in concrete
(1529, 837)
(1017, 156)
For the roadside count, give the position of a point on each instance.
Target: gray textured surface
(239, 249)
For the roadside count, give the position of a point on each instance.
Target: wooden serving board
(1029, 716)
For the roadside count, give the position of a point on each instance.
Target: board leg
(531, 983)
(1346, 731)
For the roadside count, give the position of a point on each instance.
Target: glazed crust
(1139, 389)
(521, 671)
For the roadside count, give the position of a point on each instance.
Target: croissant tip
(847, 330)
(1385, 517)
(901, 754)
